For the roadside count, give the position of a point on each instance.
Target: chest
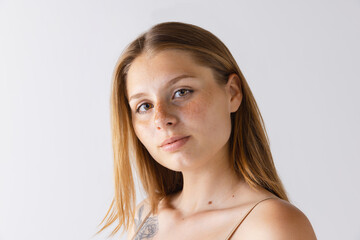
(210, 225)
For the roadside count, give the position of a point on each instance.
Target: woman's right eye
(138, 110)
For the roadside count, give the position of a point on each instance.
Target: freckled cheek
(196, 110)
(206, 115)
(142, 130)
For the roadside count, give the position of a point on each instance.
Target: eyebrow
(169, 83)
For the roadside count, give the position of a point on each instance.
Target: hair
(249, 149)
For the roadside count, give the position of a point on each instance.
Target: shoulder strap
(238, 224)
(141, 225)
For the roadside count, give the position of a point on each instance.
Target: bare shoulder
(275, 219)
(141, 210)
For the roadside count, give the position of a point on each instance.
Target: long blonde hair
(249, 149)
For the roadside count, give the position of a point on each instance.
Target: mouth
(172, 140)
(174, 144)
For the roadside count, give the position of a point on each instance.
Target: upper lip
(171, 140)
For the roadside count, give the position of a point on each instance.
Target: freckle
(210, 202)
(194, 108)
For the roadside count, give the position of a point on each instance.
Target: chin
(174, 166)
(181, 164)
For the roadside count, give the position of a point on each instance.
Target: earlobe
(235, 93)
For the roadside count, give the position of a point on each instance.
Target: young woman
(184, 116)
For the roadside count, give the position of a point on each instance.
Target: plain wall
(300, 58)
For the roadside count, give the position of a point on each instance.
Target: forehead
(163, 62)
(154, 69)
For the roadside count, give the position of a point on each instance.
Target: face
(174, 98)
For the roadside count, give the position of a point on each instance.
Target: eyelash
(187, 90)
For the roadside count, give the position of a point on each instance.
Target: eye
(146, 105)
(183, 92)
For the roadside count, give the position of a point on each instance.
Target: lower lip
(171, 147)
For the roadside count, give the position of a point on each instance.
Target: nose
(163, 117)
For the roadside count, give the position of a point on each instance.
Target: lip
(172, 139)
(174, 143)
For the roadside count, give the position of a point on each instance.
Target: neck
(208, 187)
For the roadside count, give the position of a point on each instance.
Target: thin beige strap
(147, 216)
(238, 224)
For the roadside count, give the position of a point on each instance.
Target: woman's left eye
(183, 92)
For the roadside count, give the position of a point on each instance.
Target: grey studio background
(301, 59)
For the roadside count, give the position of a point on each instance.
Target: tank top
(229, 235)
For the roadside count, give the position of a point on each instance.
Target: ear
(233, 89)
